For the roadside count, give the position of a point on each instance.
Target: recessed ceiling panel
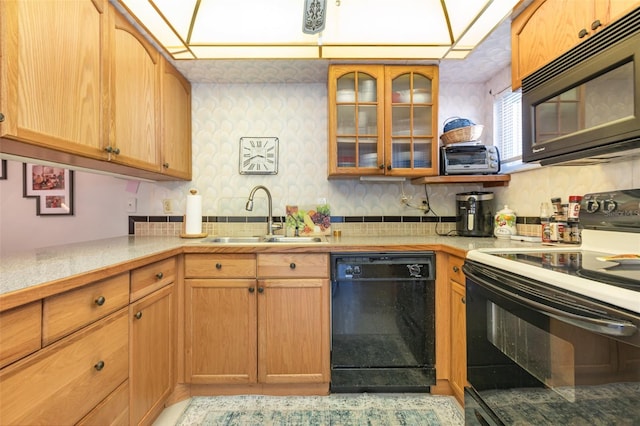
(386, 22)
(250, 22)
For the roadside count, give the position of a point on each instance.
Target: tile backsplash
(349, 226)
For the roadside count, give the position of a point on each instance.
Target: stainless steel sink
(263, 240)
(293, 240)
(233, 240)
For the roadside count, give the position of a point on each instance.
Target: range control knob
(592, 205)
(609, 205)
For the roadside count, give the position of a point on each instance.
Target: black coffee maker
(474, 214)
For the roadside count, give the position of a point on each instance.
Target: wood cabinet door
(544, 31)
(458, 341)
(356, 120)
(293, 331)
(220, 331)
(411, 121)
(175, 123)
(53, 74)
(135, 97)
(61, 383)
(152, 343)
(609, 11)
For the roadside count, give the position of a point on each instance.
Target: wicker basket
(462, 134)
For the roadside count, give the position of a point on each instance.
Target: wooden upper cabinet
(411, 116)
(175, 122)
(356, 120)
(382, 120)
(53, 74)
(135, 97)
(549, 28)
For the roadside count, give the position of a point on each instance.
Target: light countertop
(66, 266)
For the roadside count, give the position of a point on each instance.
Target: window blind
(508, 125)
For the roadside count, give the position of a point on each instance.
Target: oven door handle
(597, 325)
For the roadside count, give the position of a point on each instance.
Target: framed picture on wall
(51, 186)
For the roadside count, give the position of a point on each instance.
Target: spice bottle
(545, 230)
(573, 214)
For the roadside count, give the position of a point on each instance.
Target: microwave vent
(609, 36)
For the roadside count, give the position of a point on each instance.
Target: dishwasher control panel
(383, 266)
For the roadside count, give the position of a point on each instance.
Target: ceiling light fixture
(313, 17)
(354, 29)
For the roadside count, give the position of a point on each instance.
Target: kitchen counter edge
(43, 272)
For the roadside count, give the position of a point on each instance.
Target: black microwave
(584, 107)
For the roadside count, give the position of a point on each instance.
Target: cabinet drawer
(293, 265)
(112, 411)
(20, 332)
(147, 279)
(65, 313)
(220, 265)
(63, 382)
(455, 269)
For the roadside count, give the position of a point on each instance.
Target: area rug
(335, 409)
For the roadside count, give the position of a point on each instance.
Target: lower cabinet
(151, 326)
(221, 331)
(113, 411)
(293, 330)
(458, 362)
(63, 382)
(243, 329)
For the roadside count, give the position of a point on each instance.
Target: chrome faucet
(249, 207)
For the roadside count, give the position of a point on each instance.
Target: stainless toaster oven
(464, 159)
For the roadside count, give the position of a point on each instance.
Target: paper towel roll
(193, 219)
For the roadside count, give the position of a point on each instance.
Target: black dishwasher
(382, 322)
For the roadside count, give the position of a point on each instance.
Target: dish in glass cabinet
(345, 96)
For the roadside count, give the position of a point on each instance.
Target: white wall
(99, 204)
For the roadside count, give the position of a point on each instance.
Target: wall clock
(258, 156)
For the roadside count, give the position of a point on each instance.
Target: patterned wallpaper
(297, 115)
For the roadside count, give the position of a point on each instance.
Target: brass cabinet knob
(252, 289)
(463, 300)
(100, 301)
(159, 275)
(456, 269)
(112, 150)
(99, 366)
(583, 33)
(596, 24)
(292, 265)
(218, 265)
(381, 167)
(1, 117)
(260, 289)
(138, 315)
(389, 167)
(165, 165)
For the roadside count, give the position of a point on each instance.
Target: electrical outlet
(167, 206)
(131, 205)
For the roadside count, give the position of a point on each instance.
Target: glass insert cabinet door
(356, 119)
(411, 143)
(380, 120)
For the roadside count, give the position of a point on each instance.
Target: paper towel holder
(184, 234)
